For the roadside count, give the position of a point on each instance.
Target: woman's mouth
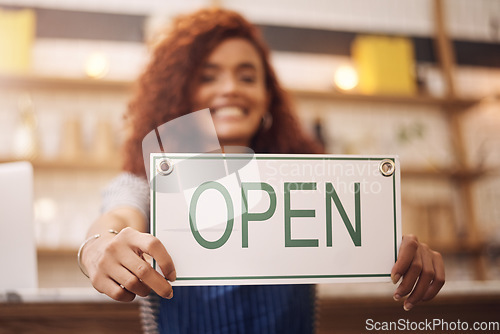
(229, 112)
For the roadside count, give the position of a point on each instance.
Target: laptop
(18, 260)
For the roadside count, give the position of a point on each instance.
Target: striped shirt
(245, 309)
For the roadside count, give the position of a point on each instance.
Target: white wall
(467, 19)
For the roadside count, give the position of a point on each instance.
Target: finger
(143, 271)
(439, 277)
(424, 279)
(407, 251)
(152, 246)
(130, 282)
(112, 289)
(410, 277)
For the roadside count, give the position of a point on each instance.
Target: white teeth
(229, 112)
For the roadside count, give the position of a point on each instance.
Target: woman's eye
(204, 78)
(247, 78)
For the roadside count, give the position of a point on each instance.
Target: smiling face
(232, 84)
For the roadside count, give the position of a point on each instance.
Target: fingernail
(407, 306)
(395, 278)
(172, 276)
(396, 297)
(171, 295)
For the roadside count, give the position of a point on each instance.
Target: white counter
(53, 295)
(381, 290)
(325, 291)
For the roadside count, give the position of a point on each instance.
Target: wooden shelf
(46, 82)
(115, 165)
(460, 248)
(457, 174)
(60, 251)
(446, 103)
(476, 249)
(80, 164)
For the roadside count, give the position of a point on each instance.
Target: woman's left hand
(422, 270)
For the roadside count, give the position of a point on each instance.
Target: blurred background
(417, 78)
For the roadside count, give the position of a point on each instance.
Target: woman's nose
(229, 85)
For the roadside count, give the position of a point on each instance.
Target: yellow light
(45, 209)
(346, 77)
(97, 65)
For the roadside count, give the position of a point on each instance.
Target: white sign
(277, 219)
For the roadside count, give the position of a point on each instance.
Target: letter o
(230, 214)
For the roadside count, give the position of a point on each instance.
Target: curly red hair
(163, 90)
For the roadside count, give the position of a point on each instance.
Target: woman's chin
(233, 140)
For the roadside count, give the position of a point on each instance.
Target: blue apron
(245, 309)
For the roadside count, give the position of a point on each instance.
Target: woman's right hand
(117, 268)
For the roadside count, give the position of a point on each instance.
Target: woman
(215, 59)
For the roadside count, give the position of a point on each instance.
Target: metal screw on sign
(165, 167)
(387, 167)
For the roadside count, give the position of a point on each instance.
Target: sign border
(156, 156)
